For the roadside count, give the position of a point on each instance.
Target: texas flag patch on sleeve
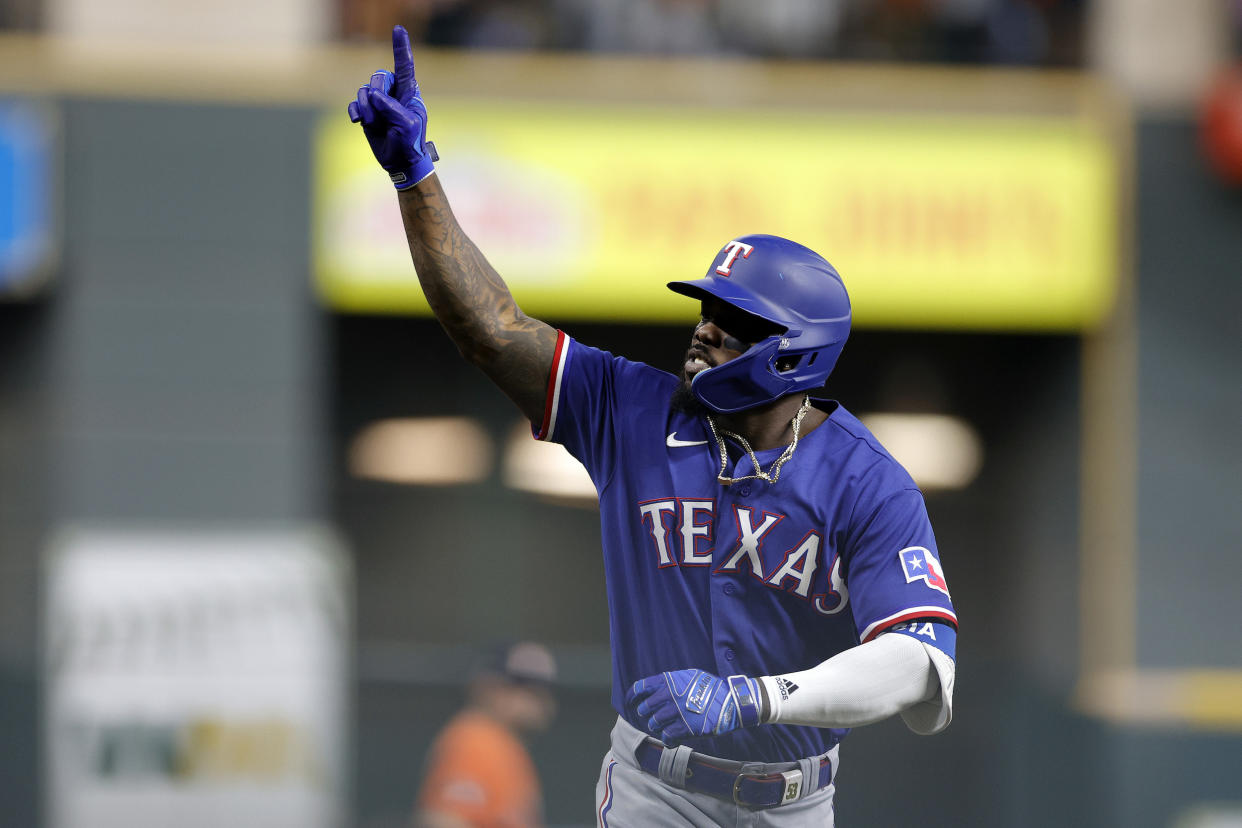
(920, 563)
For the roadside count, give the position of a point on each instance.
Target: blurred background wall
(166, 364)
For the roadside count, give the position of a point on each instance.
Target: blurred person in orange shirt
(479, 772)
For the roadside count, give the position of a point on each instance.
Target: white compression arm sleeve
(867, 683)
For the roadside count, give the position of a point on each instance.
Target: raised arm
(466, 294)
(473, 303)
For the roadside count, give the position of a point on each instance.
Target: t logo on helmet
(734, 247)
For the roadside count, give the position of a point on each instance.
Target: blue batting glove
(683, 703)
(394, 118)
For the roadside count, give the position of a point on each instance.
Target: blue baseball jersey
(752, 578)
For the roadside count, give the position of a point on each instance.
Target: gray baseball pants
(626, 796)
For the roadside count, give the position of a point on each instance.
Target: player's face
(724, 333)
(529, 707)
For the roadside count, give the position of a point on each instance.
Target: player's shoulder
(588, 357)
(626, 382)
(861, 452)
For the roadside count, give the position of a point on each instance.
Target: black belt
(750, 790)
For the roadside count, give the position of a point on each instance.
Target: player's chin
(683, 399)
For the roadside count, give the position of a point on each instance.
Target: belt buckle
(791, 785)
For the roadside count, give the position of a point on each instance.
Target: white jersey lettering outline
(659, 532)
(804, 555)
(750, 540)
(691, 530)
(838, 592)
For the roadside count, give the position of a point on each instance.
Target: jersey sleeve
(590, 392)
(894, 573)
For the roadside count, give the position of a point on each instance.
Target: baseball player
(772, 576)
(479, 772)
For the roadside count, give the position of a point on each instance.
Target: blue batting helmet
(791, 286)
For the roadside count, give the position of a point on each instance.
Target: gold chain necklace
(774, 472)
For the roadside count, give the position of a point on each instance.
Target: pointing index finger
(403, 60)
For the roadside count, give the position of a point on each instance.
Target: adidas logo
(787, 688)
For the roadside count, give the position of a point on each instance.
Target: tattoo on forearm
(472, 302)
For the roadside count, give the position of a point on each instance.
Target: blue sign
(27, 249)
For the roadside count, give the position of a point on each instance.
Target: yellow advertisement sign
(975, 222)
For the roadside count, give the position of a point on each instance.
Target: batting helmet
(791, 286)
